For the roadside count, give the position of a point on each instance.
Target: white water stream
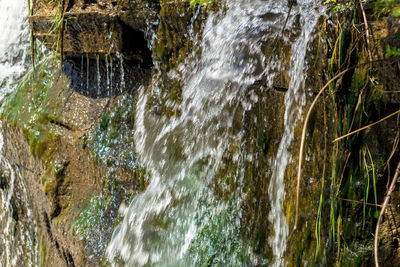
(14, 43)
(295, 99)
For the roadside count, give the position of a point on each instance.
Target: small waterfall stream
(183, 153)
(14, 43)
(294, 102)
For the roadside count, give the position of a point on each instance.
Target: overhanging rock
(97, 27)
(106, 45)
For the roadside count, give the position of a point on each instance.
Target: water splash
(87, 73)
(81, 71)
(107, 76)
(18, 244)
(111, 75)
(98, 75)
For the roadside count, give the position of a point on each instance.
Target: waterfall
(183, 153)
(17, 235)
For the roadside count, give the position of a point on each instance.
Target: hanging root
(384, 205)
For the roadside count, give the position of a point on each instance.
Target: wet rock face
(105, 44)
(73, 194)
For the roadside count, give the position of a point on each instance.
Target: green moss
(200, 2)
(49, 185)
(43, 251)
(112, 142)
(90, 215)
(31, 108)
(219, 242)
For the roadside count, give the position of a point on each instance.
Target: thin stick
(390, 92)
(359, 202)
(366, 33)
(341, 176)
(358, 105)
(384, 205)
(275, 42)
(394, 149)
(366, 127)
(32, 37)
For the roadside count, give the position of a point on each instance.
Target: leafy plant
(392, 51)
(338, 6)
(200, 2)
(387, 6)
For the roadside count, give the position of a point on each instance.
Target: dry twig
(360, 202)
(303, 137)
(366, 127)
(366, 34)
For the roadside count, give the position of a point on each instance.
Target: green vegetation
(219, 242)
(90, 216)
(32, 107)
(392, 51)
(200, 2)
(391, 7)
(349, 206)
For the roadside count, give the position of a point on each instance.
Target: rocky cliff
(68, 131)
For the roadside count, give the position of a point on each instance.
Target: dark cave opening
(105, 75)
(135, 47)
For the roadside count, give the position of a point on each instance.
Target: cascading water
(18, 244)
(183, 154)
(14, 43)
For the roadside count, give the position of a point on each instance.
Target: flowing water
(294, 101)
(18, 244)
(14, 43)
(163, 225)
